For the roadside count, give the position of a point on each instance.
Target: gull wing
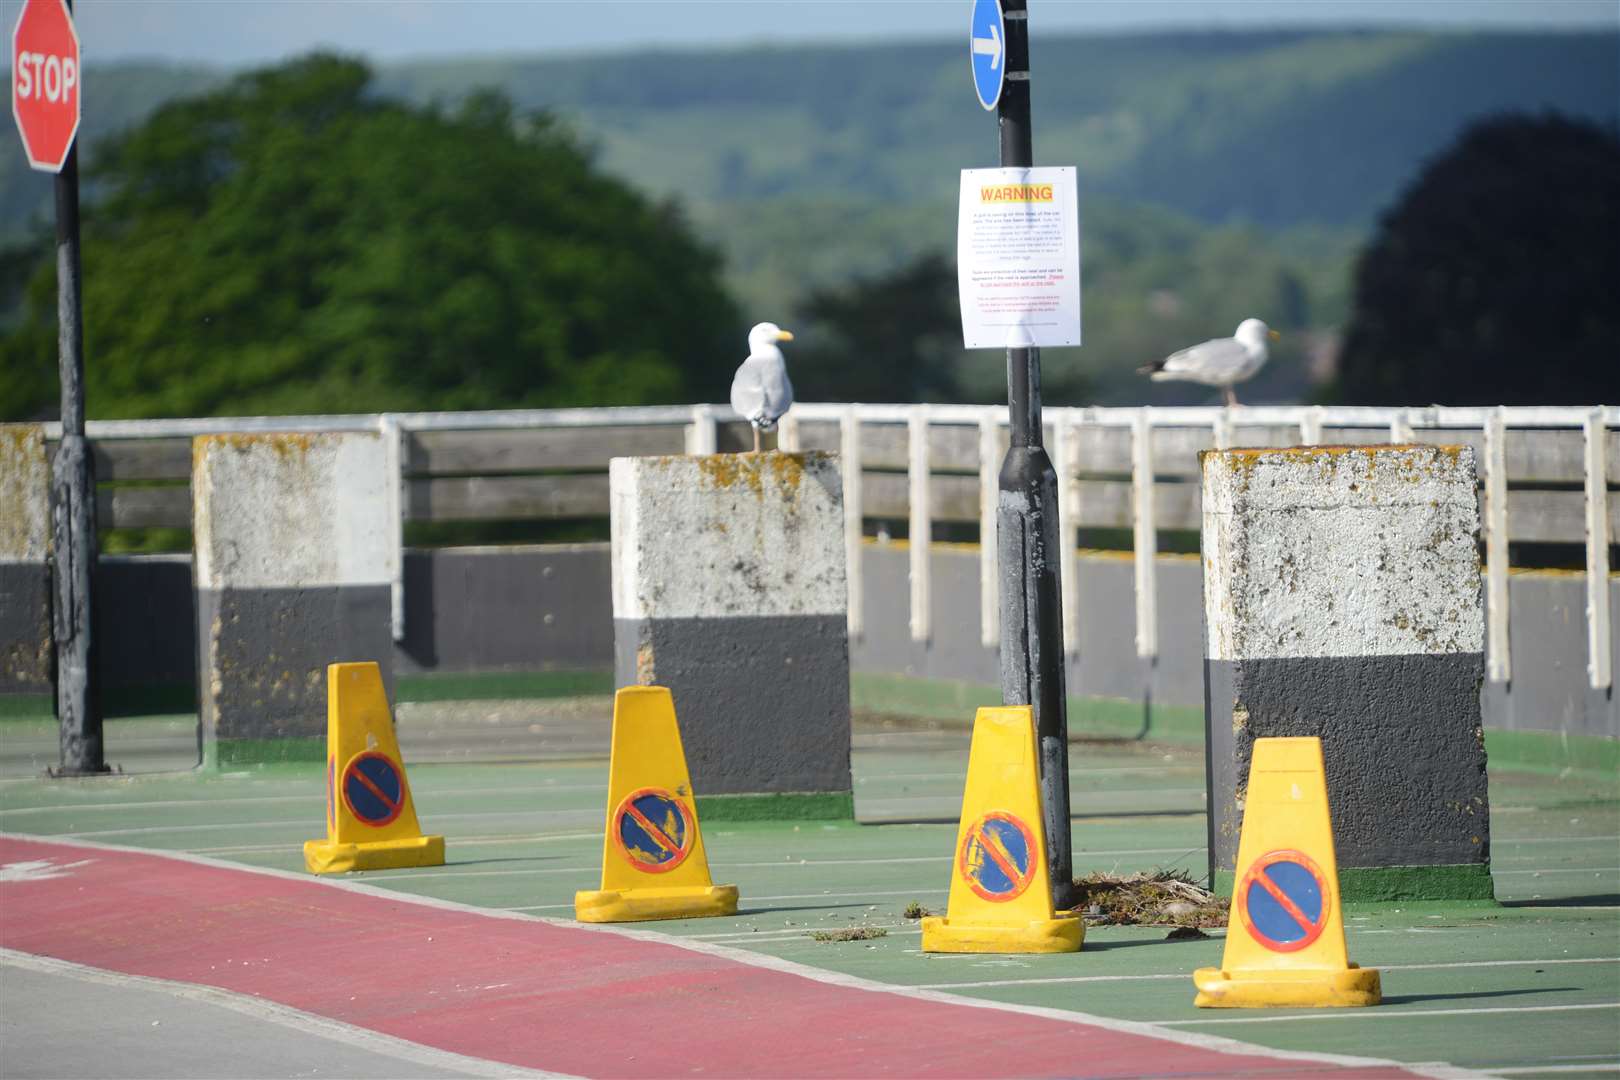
(761, 392)
(1215, 361)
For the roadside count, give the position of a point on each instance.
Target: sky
(237, 32)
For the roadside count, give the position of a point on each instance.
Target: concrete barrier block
(729, 588)
(25, 572)
(1342, 600)
(294, 561)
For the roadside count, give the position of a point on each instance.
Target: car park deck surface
(1529, 987)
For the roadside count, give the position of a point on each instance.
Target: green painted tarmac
(1527, 988)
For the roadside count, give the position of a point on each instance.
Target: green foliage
(893, 338)
(291, 243)
(1494, 279)
(880, 320)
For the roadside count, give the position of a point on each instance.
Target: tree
(891, 337)
(293, 243)
(1494, 279)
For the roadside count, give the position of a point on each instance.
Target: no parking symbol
(373, 788)
(998, 856)
(1284, 900)
(653, 830)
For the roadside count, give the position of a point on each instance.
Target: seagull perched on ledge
(1219, 361)
(760, 391)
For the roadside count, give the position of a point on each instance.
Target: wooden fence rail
(1549, 475)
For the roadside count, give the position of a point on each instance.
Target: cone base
(638, 905)
(1060, 935)
(1272, 989)
(328, 857)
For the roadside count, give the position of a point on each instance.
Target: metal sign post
(45, 83)
(1028, 543)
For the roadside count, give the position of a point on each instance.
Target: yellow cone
(653, 863)
(1001, 887)
(370, 818)
(1285, 942)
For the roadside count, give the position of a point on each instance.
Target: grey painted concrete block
(294, 562)
(26, 643)
(1342, 600)
(729, 588)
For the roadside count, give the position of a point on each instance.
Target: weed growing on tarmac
(915, 910)
(1161, 898)
(853, 933)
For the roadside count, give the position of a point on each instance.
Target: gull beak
(1273, 335)
(784, 335)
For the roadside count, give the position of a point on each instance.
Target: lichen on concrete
(25, 485)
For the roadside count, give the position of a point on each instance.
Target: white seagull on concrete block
(1219, 361)
(760, 391)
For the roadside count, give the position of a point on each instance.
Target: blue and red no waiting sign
(1284, 900)
(373, 788)
(653, 830)
(998, 856)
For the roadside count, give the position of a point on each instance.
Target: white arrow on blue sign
(987, 48)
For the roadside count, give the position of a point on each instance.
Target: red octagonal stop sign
(45, 82)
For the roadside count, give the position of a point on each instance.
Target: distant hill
(1275, 128)
(1222, 173)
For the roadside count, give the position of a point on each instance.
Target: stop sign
(45, 82)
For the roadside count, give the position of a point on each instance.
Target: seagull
(1218, 361)
(760, 391)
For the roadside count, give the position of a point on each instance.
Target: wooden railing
(1548, 475)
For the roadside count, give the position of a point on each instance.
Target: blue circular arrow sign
(987, 48)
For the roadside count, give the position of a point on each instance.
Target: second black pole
(73, 509)
(1032, 655)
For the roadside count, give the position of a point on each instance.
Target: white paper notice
(1018, 258)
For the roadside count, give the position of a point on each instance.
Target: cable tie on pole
(1017, 76)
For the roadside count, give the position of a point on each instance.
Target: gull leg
(1231, 397)
(756, 439)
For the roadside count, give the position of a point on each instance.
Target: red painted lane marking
(542, 995)
(1285, 901)
(375, 790)
(658, 835)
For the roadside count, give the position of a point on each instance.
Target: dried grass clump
(852, 933)
(1160, 898)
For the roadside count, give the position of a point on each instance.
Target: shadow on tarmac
(1408, 999)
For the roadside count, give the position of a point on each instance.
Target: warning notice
(1018, 258)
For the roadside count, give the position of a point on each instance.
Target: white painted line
(1386, 1013)
(311, 823)
(1215, 1043)
(1184, 975)
(773, 936)
(271, 1012)
(458, 842)
(1539, 1070)
(313, 798)
(746, 899)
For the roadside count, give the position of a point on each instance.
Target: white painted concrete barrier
(729, 588)
(295, 567)
(25, 571)
(1342, 600)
